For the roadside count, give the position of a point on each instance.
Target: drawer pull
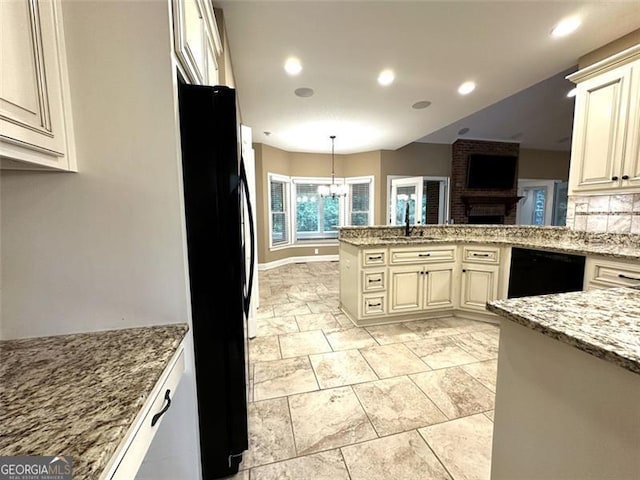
(157, 416)
(373, 304)
(620, 275)
(375, 280)
(378, 257)
(625, 177)
(424, 254)
(614, 178)
(480, 254)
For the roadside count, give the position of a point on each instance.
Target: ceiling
(433, 47)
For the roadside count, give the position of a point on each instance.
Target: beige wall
(543, 164)
(609, 49)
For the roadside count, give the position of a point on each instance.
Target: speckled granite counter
(557, 239)
(604, 323)
(78, 394)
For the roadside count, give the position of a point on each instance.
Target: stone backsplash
(604, 213)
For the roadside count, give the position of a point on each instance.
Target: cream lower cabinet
(480, 277)
(601, 272)
(418, 288)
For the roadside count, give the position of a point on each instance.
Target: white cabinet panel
(439, 287)
(479, 285)
(35, 112)
(405, 291)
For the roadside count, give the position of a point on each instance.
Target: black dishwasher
(537, 272)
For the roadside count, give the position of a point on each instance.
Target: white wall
(104, 248)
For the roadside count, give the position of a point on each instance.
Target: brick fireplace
(485, 206)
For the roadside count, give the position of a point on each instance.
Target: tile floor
(332, 401)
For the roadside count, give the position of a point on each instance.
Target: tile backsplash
(619, 213)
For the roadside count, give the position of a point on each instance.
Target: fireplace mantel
(507, 201)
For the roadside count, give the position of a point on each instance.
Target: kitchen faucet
(407, 225)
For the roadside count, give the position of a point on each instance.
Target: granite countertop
(78, 394)
(556, 239)
(604, 323)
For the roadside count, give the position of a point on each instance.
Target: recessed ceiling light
(386, 77)
(572, 93)
(565, 27)
(421, 104)
(462, 131)
(466, 88)
(292, 66)
(304, 92)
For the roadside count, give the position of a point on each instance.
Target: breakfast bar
(561, 357)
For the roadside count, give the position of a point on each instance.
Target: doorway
(544, 202)
(427, 198)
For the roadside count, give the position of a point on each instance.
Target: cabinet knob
(625, 177)
(614, 178)
(464, 271)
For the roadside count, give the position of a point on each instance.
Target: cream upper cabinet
(605, 153)
(197, 41)
(36, 128)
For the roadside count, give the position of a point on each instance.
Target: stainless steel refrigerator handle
(245, 188)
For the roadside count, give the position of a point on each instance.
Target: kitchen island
(568, 388)
(88, 395)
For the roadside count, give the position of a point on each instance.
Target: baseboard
(291, 260)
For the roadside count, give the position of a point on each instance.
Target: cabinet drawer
(374, 304)
(489, 255)
(132, 451)
(402, 256)
(613, 274)
(372, 258)
(373, 280)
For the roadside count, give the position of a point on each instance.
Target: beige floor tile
(463, 446)
(276, 325)
(393, 360)
(322, 307)
(485, 372)
(328, 419)
(241, 475)
(263, 349)
(347, 339)
(343, 320)
(341, 368)
(303, 343)
(434, 328)
(396, 405)
(320, 466)
(316, 321)
(283, 377)
(490, 414)
(392, 333)
(440, 352)
(404, 456)
(455, 392)
(464, 325)
(483, 345)
(294, 308)
(274, 299)
(302, 296)
(270, 433)
(264, 311)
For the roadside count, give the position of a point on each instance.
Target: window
(278, 201)
(316, 217)
(299, 215)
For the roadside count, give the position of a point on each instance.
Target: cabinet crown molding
(609, 63)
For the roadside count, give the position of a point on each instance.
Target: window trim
(286, 201)
(370, 179)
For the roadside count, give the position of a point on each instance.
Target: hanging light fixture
(335, 189)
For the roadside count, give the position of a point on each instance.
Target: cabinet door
(599, 128)
(405, 294)
(190, 38)
(34, 124)
(438, 287)
(479, 285)
(631, 168)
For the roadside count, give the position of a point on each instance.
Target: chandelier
(335, 189)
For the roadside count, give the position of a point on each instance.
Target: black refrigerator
(215, 197)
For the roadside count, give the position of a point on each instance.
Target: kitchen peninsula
(568, 388)
(91, 396)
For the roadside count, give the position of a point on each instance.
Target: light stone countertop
(555, 239)
(604, 323)
(78, 394)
